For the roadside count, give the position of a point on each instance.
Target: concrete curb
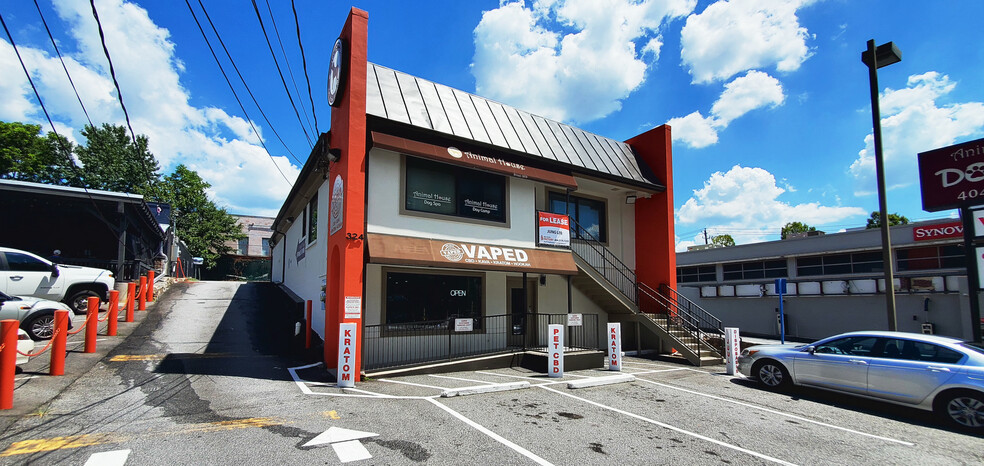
(599, 381)
(500, 387)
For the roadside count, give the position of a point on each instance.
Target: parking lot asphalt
(34, 389)
(200, 382)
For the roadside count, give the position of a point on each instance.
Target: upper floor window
(442, 189)
(589, 215)
(265, 246)
(243, 247)
(755, 270)
(700, 273)
(312, 219)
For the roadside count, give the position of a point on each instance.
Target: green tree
(723, 240)
(26, 155)
(112, 162)
(202, 225)
(893, 219)
(796, 227)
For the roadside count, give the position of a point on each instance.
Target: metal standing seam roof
(411, 100)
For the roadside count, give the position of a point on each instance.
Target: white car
(26, 274)
(24, 345)
(36, 315)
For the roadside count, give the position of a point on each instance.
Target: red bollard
(8, 361)
(131, 292)
(91, 324)
(142, 295)
(57, 366)
(307, 326)
(150, 286)
(113, 313)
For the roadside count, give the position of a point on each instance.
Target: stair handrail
(707, 320)
(675, 313)
(618, 274)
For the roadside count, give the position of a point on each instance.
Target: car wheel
(79, 302)
(41, 327)
(963, 408)
(771, 374)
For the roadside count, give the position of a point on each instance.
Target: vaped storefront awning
(404, 250)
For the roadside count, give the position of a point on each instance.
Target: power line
(290, 71)
(224, 75)
(241, 78)
(281, 73)
(119, 92)
(297, 24)
(62, 60)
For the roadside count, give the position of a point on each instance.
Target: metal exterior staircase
(678, 322)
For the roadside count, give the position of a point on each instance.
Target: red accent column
(112, 314)
(348, 133)
(91, 325)
(655, 242)
(307, 326)
(8, 361)
(57, 366)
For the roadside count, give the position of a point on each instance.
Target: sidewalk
(34, 388)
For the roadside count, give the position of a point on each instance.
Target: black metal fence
(408, 344)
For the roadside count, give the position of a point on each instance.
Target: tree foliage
(796, 227)
(26, 155)
(723, 240)
(112, 162)
(893, 219)
(198, 221)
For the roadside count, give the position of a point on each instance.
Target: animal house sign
(953, 176)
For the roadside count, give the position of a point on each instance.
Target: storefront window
(443, 189)
(416, 298)
(588, 213)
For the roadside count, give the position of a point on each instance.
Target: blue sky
(768, 99)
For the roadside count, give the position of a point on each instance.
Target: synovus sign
(938, 231)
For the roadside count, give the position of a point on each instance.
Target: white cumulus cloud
(732, 36)
(222, 148)
(569, 60)
(745, 202)
(914, 121)
(746, 93)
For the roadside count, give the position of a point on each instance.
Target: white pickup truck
(25, 274)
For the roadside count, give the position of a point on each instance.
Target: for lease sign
(553, 230)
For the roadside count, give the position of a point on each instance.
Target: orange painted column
(91, 325)
(112, 314)
(654, 224)
(347, 180)
(142, 295)
(150, 286)
(131, 291)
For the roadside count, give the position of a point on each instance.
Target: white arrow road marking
(108, 458)
(349, 451)
(345, 442)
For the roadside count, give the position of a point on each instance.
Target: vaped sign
(952, 176)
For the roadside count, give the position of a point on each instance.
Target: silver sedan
(928, 372)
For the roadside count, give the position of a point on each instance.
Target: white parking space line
(303, 385)
(772, 411)
(458, 378)
(673, 428)
(413, 384)
(491, 434)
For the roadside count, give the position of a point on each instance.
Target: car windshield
(973, 347)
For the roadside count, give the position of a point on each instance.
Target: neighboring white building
(836, 282)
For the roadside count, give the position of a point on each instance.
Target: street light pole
(884, 55)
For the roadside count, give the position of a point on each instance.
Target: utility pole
(705, 237)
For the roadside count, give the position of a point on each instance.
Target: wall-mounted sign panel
(953, 176)
(938, 231)
(404, 250)
(553, 230)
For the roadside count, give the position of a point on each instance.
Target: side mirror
(54, 270)
(811, 349)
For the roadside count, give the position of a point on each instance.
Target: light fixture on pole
(884, 55)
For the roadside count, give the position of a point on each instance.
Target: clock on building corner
(336, 69)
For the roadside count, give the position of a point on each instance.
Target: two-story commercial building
(436, 220)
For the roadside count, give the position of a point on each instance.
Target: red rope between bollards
(39, 353)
